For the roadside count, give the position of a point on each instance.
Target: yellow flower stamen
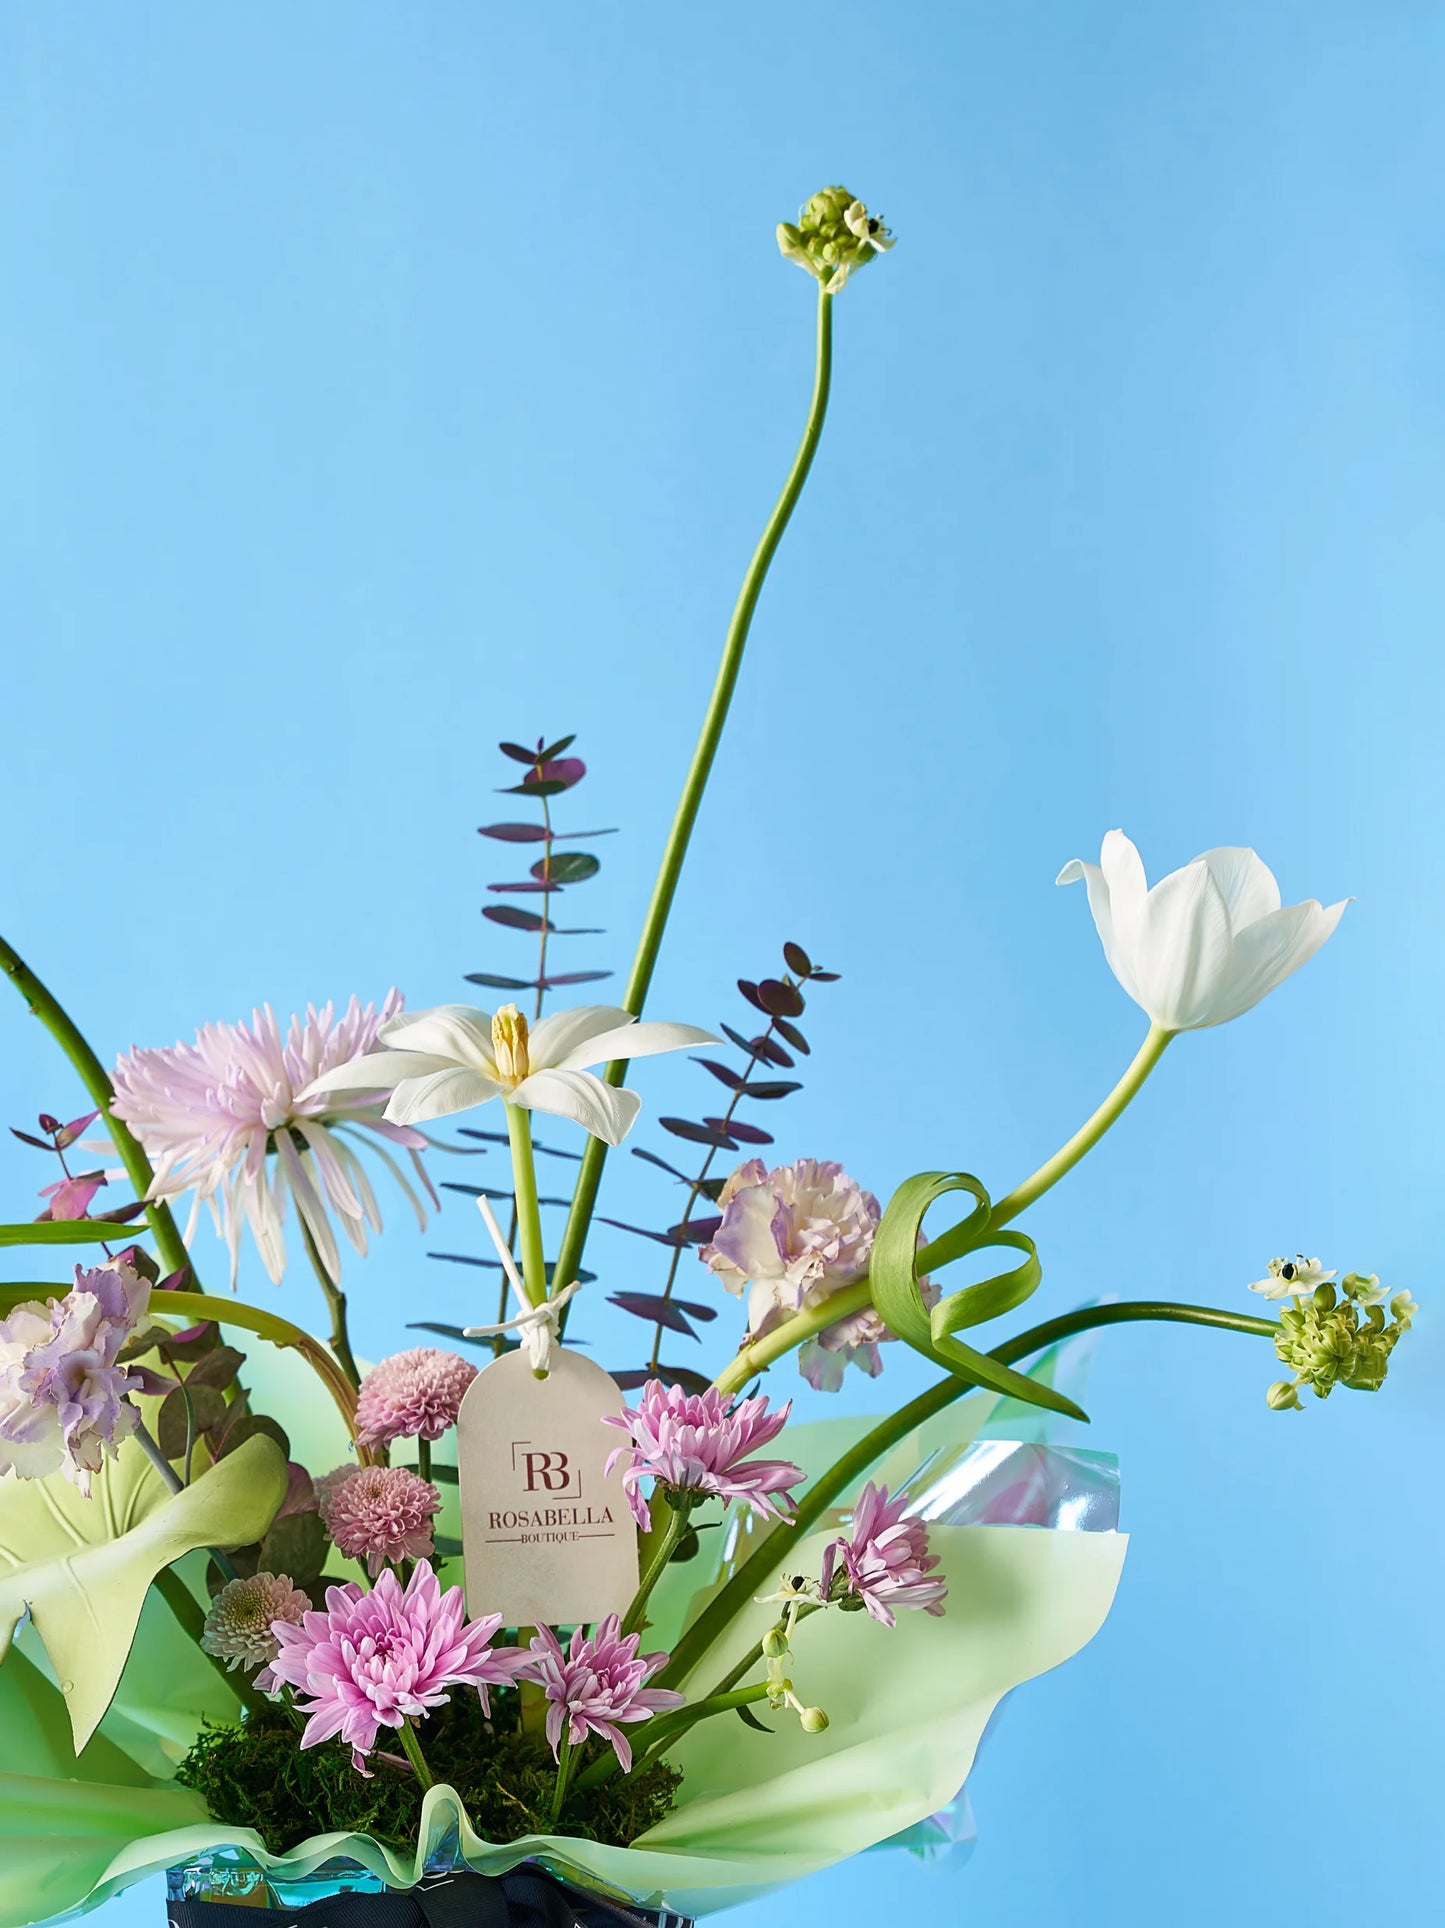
(509, 1046)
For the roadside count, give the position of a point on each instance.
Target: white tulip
(453, 1057)
(1206, 943)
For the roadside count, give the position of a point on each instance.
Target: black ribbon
(527, 1897)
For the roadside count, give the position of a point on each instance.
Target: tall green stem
(93, 1076)
(771, 1553)
(335, 1305)
(662, 1552)
(951, 1244)
(590, 1176)
(529, 1212)
(412, 1745)
(186, 1610)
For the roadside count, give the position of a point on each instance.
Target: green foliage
(257, 1776)
(892, 1271)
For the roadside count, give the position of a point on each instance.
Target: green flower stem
(335, 1305)
(280, 1332)
(97, 1083)
(169, 1477)
(186, 1610)
(663, 1729)
(759, 1354)
(772, 1552)
(564, 1771)
(414, 1754)
(750, 1660)
(584, 1199)
(662, 1552)
(950, 1245)
(423, 1458)
(529, 1212)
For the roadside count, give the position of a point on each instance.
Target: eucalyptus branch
(94, 1077)
(590, 1177)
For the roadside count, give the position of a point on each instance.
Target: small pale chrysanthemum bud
(1283, 1397)
(834, 234)
(238, 1626)
(812, 1720)
(1323, 1297)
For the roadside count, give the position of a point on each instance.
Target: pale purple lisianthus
(373, 1660)
(210, 1114)
(853, 1341)
(885, 1561)
(596, 1686)
(379, 1514)
(793, 1235)
(696, 1443)
(412, 1395)
(62, 1396)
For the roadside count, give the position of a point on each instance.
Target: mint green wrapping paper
(907, 1707)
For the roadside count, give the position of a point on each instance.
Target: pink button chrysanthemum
(373, 1660)
(380, 1514)
(594, 1686)
(696, 1443)
(412, 1395)
(885, 1562)
(212, 1114)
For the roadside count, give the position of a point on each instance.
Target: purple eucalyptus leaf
(530, 888)
(541, 788)
(565, 770)
(554, 750)
(514, 832)
(708, 1134)
(797, 960)
(655, 1309)
(750, 992)
(575, 977)
(781, 1088)
(748, 1134)
(514, 917)
(694, 1231)
(724, 1073)
(641, 1231)
(519, 755)
(793, 1035)
(661, 1163)
(40, 1144)
(706, 1313)
(567, 867)
(155, 1385)
(825, 977)
(495, 983)
(779, 998)
(68, 1134)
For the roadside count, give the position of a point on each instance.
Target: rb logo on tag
(546, 1472)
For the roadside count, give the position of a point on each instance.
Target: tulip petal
(605, 1110)
(1270, 950)
(635, 1041)
(1183, 959)
(378, 1071)
(1119, 961)
(459, 1033)
(1245, 882)
(555, 1038)
(438, 1094)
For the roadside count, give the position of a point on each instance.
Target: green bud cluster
(833, 234)
(1339, 1338)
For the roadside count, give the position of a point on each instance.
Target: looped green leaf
(894, 1277)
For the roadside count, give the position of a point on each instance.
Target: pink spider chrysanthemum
(695, 1443)
(594, 1686)
(373, 1660)
(211, 1114)
(412, 1395)
(885, 1561)
(380, 1514)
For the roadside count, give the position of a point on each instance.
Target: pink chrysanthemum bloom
(412, 1395)
(373, 1660)
(794, 1235)
(885, 1562)
(379, 1514)
(209, 1115)
(693, 1443)
(62, 1396)
(239, 1625)
(595, 1686)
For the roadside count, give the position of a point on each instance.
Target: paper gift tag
(547, 1537)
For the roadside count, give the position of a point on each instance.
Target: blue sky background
(382, 380)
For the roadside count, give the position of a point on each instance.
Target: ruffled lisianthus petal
(63, 1404)
(596, 1686)
(213, 1115)
(795, 1233)
(696, 1443)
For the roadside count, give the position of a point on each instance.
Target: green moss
(256, 1776)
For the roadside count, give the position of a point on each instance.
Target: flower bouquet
(466, 1626)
